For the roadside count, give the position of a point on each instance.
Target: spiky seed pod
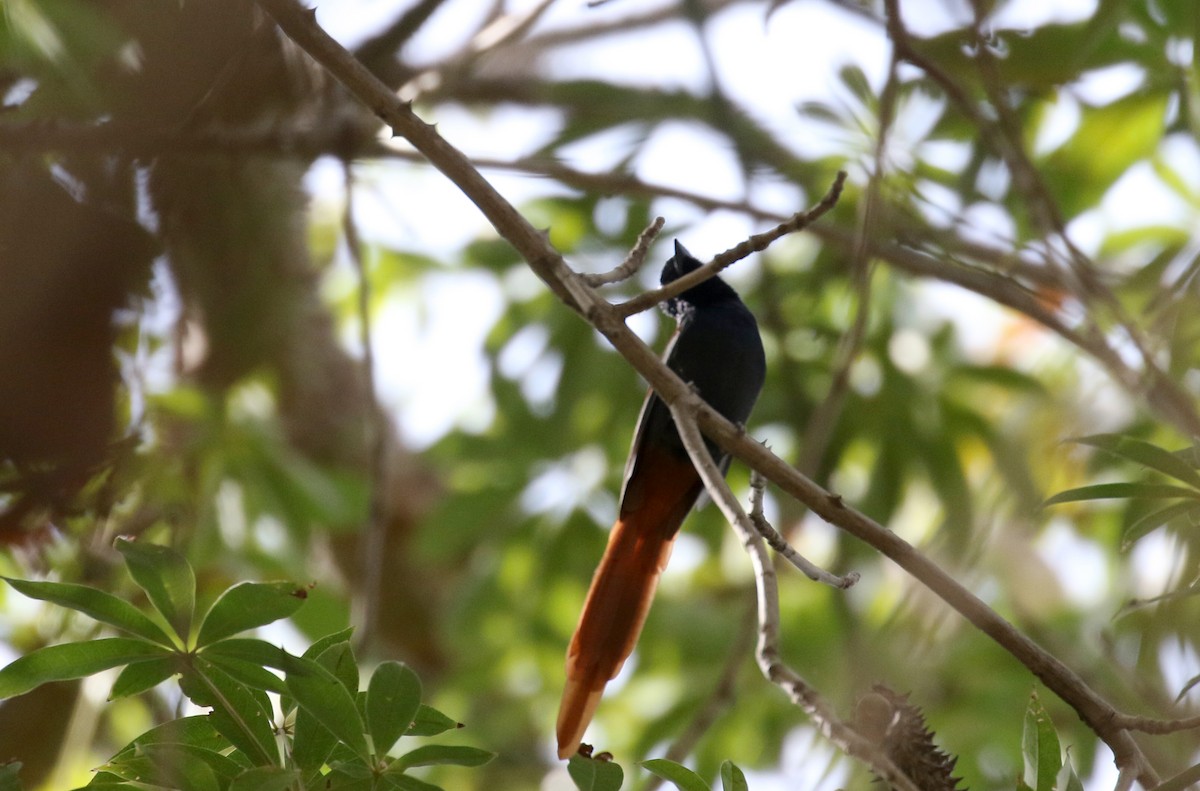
(888, 719)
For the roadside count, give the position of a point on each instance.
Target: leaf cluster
(310, 728)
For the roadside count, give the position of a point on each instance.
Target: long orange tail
(622, 589)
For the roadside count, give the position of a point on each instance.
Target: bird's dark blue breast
(719, 351)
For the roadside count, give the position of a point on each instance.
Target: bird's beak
(681, 251)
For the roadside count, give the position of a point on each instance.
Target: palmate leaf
(73, 660)
(196, 731)
(266, 778)
(140, 676)
(175, 766)
(732, 778)
(240, 714)
(430, 722)
(406, 783)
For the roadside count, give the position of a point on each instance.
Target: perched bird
(717, 349)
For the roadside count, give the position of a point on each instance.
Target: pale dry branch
(758, 486)
(770, 661)
(633, 262)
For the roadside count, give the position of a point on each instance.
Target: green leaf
(104, 607)
(348, 776)
(247, 606)
(339, 659)
(320, 692)
(1109, 491)
(1145, 454)
(590, 774)
(430, 722)
(683, 778)
(252, 675)
(9, 781)
(251, 649)
(406, 783)
(72, 660)
(322, 645)
(266, 778)
(175, 766)
(440, 754)
(196, 731)
(1070, 780)
(140, 676)
(166, 577)
(238, 714)
(312, 743)
(393, 698)
(1040, 747)
(107, 781)
(1158, 518)
(732, 778)
(1107, 141)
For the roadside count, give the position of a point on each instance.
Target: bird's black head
(710, 291)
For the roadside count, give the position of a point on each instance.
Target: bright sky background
(431, 369)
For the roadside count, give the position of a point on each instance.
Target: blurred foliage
(175, 326)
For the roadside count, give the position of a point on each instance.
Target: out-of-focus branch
(1004, 135)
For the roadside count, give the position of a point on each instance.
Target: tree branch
(756, 243)
(684, 411)
(549, 265)
(633, 262)
(758, 485)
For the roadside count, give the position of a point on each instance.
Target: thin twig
(758, 486)
(633, 262)
(500, 30)
(1157, 727)
(770, 662)
(756, 243)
